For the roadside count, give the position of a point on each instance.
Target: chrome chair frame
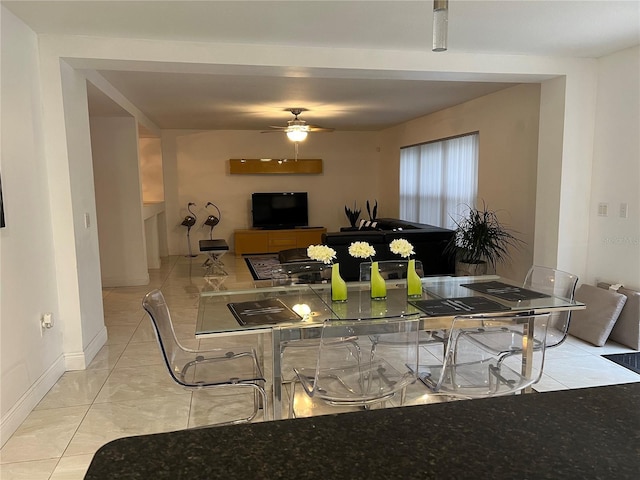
(376, 379)
(183, 363)
(442, 378)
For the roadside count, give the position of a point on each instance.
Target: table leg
(276, 374)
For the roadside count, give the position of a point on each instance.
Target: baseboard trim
(23, 407)
(81, 360)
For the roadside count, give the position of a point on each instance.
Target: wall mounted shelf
(260, 166)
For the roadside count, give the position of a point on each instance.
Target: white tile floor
(126, 391)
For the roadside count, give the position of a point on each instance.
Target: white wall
(614, 242)
(114, 144)
(29, 363)
(200, 161)
(507, 122)
(84, 332)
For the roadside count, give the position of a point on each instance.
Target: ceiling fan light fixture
(296, 134)
(440, 25)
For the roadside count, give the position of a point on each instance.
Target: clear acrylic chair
(558, 284)
(473, 365)
(389, 269)
(300, 273)
(363, 372)
(200, 369)
(552, 282)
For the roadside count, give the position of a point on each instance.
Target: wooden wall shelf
(261, 166)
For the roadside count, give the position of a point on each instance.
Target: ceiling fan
(297, 129)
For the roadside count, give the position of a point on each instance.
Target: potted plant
(480, 240)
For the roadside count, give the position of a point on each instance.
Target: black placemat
(504, 291)
(458, 306)
(263, 312)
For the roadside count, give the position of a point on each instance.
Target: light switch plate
(624, 210)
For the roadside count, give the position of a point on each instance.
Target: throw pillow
(367, 225)
(594, 324)
(627, 328)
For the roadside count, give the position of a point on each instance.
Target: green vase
(378, 285)
(414, 283)
(338, 285)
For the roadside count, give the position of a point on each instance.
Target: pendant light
(440, 25)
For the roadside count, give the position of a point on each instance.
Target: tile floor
(126, 391)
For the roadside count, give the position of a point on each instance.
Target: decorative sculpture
(212, 220)
(374, 214)
(189, 221)
(352, 215)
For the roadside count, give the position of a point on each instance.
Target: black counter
(575, 434)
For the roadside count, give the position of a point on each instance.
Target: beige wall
(360, 166)
(508, 126)
(200, 161)
(150, 157)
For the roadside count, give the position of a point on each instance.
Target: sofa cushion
(626, 331)
(594, 324)
(428, 242)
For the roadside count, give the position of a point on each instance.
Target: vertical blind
(439, 180)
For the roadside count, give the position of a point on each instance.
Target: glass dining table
(287, 313)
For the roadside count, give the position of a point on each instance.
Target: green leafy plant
(480, 237)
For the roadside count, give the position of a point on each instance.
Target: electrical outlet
(46, 322)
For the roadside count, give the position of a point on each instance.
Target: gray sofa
(428, 243)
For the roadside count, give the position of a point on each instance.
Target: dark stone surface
(589, 433)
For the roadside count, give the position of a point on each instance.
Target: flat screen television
(279, 210)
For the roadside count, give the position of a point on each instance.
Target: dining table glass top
(308, 305)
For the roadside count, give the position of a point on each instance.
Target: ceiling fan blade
(313, 128)
(297, 124)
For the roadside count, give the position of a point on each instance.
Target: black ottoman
(214, 249)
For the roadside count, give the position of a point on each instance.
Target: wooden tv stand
(272, 241)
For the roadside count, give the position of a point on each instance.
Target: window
(438, 180)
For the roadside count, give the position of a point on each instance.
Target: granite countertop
(583, 433)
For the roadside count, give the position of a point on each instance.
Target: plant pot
(464, 269)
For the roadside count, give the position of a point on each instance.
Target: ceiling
(253, 98)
